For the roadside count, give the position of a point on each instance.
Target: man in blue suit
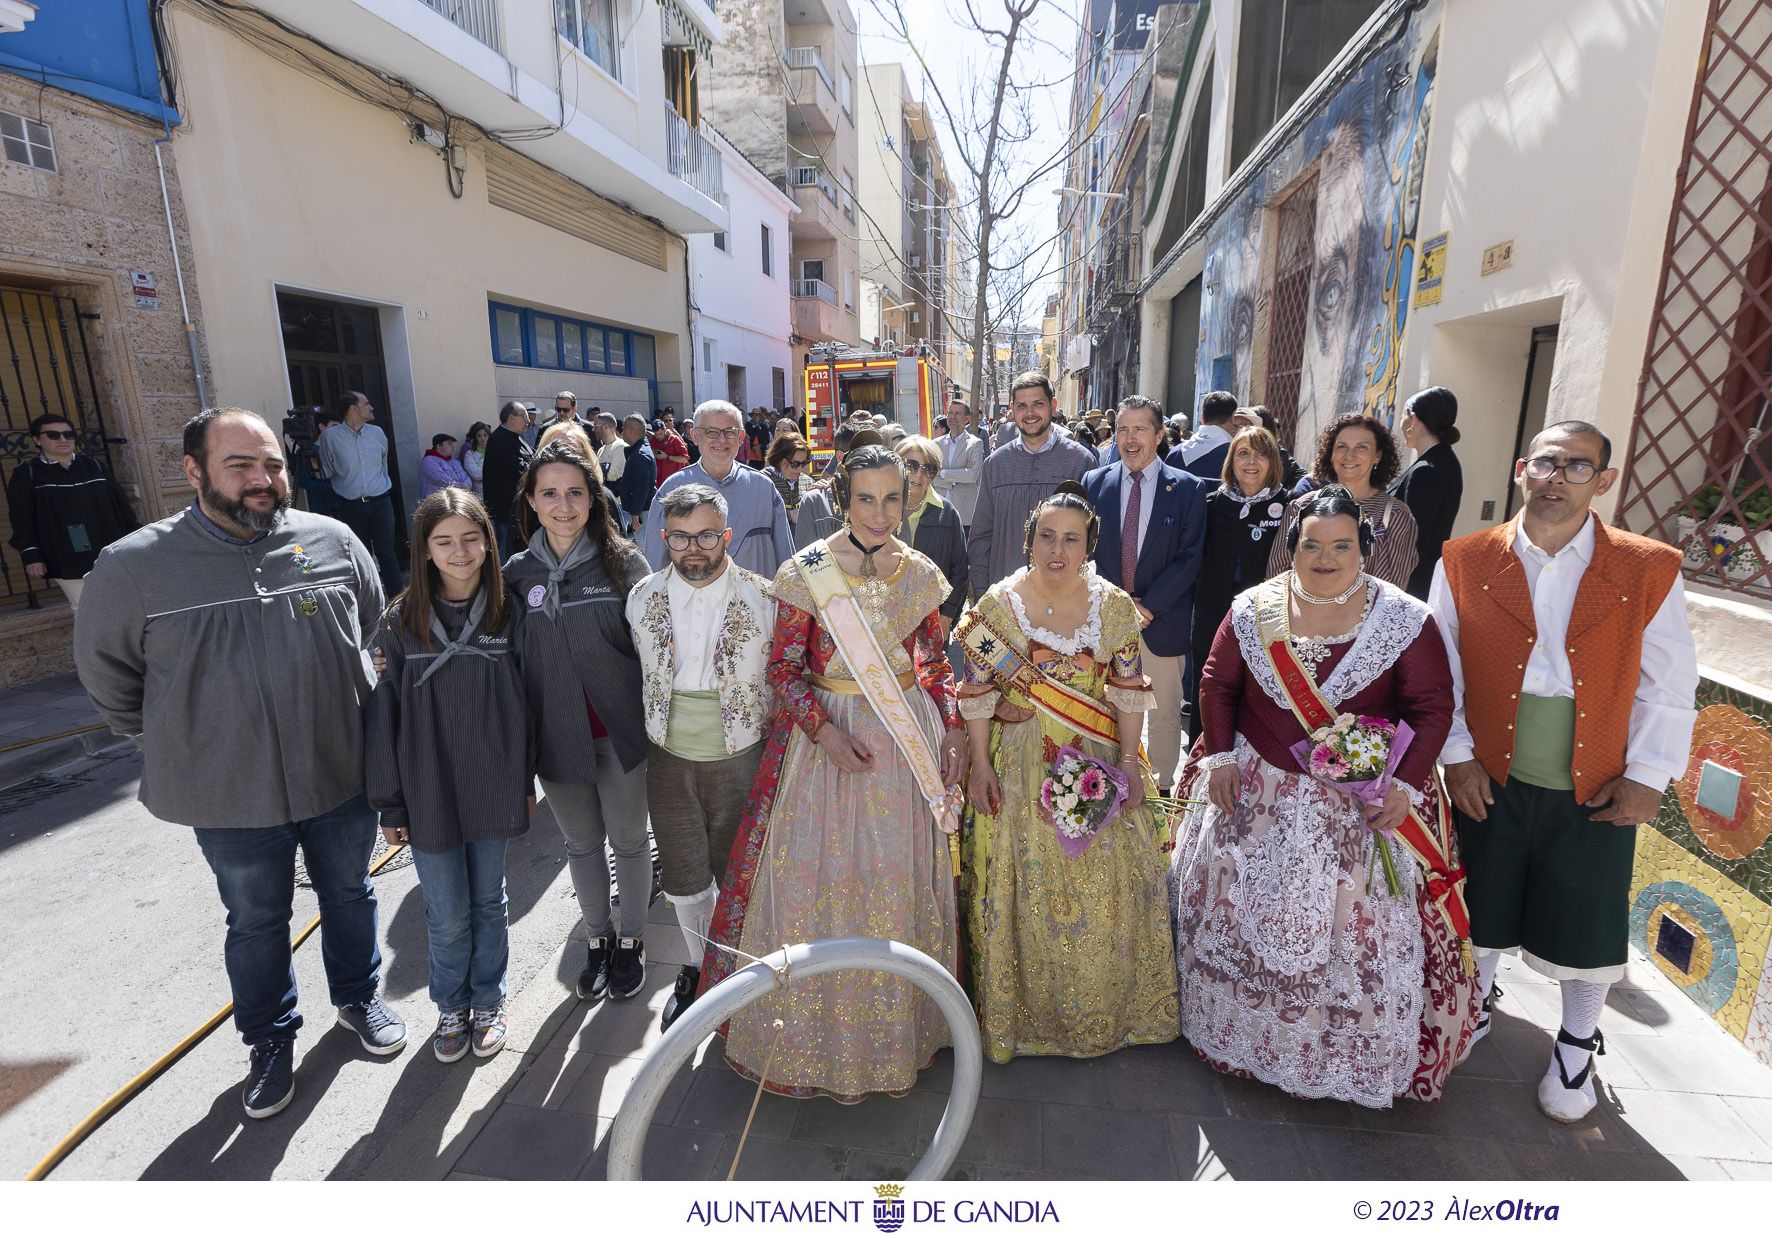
(1153, 530)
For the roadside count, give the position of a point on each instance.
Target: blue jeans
(373, 521)
(255, 873)
(465, 918)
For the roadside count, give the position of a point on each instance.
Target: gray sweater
(1012, 484)
(240, 669)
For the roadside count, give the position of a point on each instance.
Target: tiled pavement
(1681, 1100)
(44, 709)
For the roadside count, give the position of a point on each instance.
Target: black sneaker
(593, 983)
(271, 1083)
(688, 978)
(376, 1025)
(627, 972)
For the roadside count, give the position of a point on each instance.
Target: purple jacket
(436, 472)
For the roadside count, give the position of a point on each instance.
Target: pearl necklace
(1307, 598)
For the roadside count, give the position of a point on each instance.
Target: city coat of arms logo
(889, 1207)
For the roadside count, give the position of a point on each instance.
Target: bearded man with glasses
(761, 537)
(702, 628)
(65, 508)
(1564, 738)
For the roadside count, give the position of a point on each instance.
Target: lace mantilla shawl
(915, 591)
(1396, 618)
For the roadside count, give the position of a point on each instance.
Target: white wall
(742, 313)
(1556, 126)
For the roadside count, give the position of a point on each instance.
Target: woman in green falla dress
(1070, 950)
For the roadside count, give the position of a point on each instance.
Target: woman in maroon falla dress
(1298, 965)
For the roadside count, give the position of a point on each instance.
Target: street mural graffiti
(1366, 149)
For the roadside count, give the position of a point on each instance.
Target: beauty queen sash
(987, 648)
(1427, 840)
(841, 615)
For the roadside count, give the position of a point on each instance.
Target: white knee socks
(695, 915)
(1582, 1002)
(1487, 963)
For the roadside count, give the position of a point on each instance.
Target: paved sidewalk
(1681, 1100)
(45, 723)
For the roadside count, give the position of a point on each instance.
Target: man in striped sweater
(1016, 476)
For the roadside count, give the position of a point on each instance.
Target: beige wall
(1557, 127)
(302, 187)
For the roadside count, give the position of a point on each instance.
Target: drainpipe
(178, 271)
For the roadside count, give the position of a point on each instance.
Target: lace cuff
(978, 707)
(1417, 799)
(1223, 759)
(1131, 698)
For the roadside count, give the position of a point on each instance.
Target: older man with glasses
(761, 536)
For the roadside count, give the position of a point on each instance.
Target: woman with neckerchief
(847, 831)
(1067, 909)
(583, 681)
(1305, 961)
(1242, 522)
(1361, 455)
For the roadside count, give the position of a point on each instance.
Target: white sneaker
(1570, 1099)
(1485, 1016)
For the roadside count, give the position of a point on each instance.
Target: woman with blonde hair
(932, 525)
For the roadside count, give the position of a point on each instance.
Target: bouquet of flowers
(1359, 755)
(1081, 795)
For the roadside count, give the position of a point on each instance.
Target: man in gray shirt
(355, 454)
(1016, 476)
(228, 641)
(762, 539)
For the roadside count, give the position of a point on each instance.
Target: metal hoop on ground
(627, 1138)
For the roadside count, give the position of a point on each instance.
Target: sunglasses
(798, 462)
(931, 470)
(59, 435)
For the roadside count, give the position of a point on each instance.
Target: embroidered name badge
(537, 594)
(302, 560)
(596, 589)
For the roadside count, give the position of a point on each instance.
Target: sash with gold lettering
(848, 626)
(992, 652)
(1429, 841)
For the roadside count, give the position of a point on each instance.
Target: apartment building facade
(783, 90)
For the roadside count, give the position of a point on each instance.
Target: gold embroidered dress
(1067, 955)
(823, 853)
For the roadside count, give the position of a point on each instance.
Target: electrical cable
(124, 1096)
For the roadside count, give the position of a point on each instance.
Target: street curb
(18, 766)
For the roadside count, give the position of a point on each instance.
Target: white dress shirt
(1147, 491)
(1662, 713)
(697, 615)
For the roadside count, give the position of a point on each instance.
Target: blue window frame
(528, 338)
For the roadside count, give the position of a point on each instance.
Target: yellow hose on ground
(124, 1096)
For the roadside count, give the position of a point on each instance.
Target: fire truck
(906, 386)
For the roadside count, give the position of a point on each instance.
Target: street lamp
(1085, 193)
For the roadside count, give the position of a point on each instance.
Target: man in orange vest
(1564, 740)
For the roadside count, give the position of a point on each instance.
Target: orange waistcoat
(1622, 588)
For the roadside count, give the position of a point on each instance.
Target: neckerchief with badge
(583, 550)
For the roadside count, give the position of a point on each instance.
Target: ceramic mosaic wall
(1702, 893)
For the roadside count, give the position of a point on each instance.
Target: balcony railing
(478, 17)
(810, 58)
(815, 289)
(811, 177)
(693, 158)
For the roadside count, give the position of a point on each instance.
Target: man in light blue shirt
(355, 455)
(762, 539)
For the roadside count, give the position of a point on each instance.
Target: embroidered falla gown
(823, 853)
(1067, 955)
(1298, 967)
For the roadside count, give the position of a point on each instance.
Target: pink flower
(1046, 794)
(1093, 785)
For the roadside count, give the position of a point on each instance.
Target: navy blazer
(1169, 563)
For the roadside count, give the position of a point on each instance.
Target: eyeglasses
(59, 435)
(931, 470)
(1575, 471)
(703, 540)
(798, 462)
(721, 435)
(562, 410)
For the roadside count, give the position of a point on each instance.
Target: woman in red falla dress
(1299, 966)
(847, 828)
